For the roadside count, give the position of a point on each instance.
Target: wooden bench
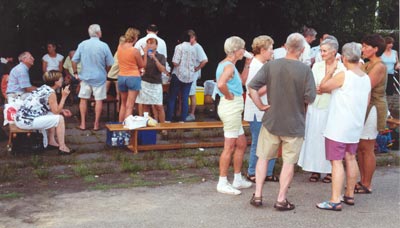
(13, 131)
(134, 147)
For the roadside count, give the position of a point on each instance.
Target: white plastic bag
(133, 122)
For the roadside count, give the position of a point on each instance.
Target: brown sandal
(327, 179)
(272, 178)
(256, 201)
(314, 177)
(284, 206)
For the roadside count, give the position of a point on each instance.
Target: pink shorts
(337, 150)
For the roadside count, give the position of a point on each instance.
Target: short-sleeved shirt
(185, 56)
(18, 79)
(95, 56)
(53, 62)
(290, 86)
(234, 84)
(68, 66)
(201, 56)
(35, 105)
(152, 74)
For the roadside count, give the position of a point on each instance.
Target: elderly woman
(129, 80)
(230, 111)
(391, 59)
(262, 50)
(40, 111)
(372, 48)
(349, 100)
(312, 155)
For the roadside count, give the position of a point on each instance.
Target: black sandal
(256, 201)
(251, 178)
(284, 206)
(361, 189)
(314, 177)
(327, 179)
(348, 200)
(272, 178)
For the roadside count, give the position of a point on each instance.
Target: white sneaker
(190, 118)
(227, 189)
(243, 183)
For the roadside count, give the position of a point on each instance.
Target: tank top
(127, 62)
(378, 97)
(347, 109)
(234, 84)
(389, 61)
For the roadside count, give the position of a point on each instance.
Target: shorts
(150, 94)
(126, 83)
(337, 150)
(193, 88)
(268, 145)
(112, 79)
(86, 90)
(370, 130)
(41, 122)
(230, 113)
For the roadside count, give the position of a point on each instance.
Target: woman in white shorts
(40, 111)
(372, 47)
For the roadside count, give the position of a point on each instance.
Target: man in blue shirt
(96, 60)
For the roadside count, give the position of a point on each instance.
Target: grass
(11, 195)
(36, 161)
(63, 176)
(42, 173)
(82, 170)
(89, 179)
(7, 172)
(130, 166)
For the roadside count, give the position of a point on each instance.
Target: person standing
(96, 60)
(183, 75)
(309, 36)
(290, 88)
(263, 52)
(312, 156)
(201, 61)
(372, 48)
(350, 91)
(391, 59)
(230, 109)
(19, 84)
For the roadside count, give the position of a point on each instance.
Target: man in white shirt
(309, 36)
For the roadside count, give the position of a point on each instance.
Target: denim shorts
(126, 83)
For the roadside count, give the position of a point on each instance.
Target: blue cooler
(147, 137)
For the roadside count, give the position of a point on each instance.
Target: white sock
(223, 180)
(238, 176)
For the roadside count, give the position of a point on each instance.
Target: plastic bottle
(114, 139)
(120, 139)
(127, 138)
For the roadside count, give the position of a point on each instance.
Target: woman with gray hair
(312, 155)
(347, 110)
(230, 110)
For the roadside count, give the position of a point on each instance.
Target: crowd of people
(312, 106)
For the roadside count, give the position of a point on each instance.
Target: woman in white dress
(312, 156)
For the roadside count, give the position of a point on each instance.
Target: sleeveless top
(389, 61)
(35, 105)
(378, 97)
(234, 84)
(127, 62)
(347, 107)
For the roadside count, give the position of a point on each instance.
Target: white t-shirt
(279, 53)
(347, 109)
(306, 55)
(53, 63)
(250, 109)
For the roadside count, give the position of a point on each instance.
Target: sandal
(284, 206)
(327, 179)
(327, 205)
(272, 178)
(251, 178)
(348, 200)
(256, 201)
(361, 189)
(314, 177)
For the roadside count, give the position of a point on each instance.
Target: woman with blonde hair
(40, 111)
(230, 110)
(129, 80)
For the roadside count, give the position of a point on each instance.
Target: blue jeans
(176, 87)
(255, 127)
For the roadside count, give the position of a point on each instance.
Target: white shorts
(230, 113)
(42, 122)
(370, 130)
(193, 88)
(86, 90)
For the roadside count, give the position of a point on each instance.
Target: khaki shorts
(230, 113)
(86, 90)
(268, 145)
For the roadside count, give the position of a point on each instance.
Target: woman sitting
(40, 111)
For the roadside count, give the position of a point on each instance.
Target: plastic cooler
(199, 95)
